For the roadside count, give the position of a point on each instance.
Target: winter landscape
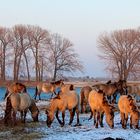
(39, 130)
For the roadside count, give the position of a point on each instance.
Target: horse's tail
(8, 110)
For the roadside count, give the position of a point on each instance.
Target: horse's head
(121, 86)
(109, 111)
(50, 117)
(34, 111)
(21, 87)
(110, 117)
(135, 115)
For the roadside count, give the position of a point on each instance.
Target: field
(39, 130)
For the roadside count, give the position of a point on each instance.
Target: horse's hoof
(102, 125)
(78, 124)
(124, 127)
(62, 124)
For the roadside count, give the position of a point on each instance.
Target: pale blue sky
(81, 21)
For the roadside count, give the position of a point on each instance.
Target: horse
(66, 100)
(47, 87)
(127, 105)
(99, 105)
(110, 89)
(133, 89)
(15, 88)
(84, 93)
(20, 102)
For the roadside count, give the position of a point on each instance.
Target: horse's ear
(71, 87)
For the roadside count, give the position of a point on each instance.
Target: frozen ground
(87, 131)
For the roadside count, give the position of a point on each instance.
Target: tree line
(121, 50)
(27, 50)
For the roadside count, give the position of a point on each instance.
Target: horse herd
(100, 98)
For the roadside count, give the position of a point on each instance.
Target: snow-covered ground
(86, 131)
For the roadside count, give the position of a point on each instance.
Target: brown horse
(127, 105)
(15, 88)
(84, 93)
(133, 89)
(110, 89)
(20, 102)
(47, 88)
(66, 100)
(99, 105)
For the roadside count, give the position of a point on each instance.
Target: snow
(84, 132)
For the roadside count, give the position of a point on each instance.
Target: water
(31, 91)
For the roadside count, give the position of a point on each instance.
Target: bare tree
(5, 40)
(62, 56)
(38, 41)
(121, 49)
(20, 45)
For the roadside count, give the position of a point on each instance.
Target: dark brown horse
(84, 93)
(110, 89)
(47, 88)
(15, 88)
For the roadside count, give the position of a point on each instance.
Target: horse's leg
(57, 117)
(97, 118)
(77, 112)
(94, 116)
(36, 93)
(8, 111)
(71, 116)
(14, 118)
(24, 119)
(39, 95)
(123, 120)
(90, 115)
(63, 118)
(101, 119)
(72, 113)
(131, 122)
(126, 119)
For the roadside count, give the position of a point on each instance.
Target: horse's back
(95, 99)
(20, 101)
(70, 99)
(124, 104)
